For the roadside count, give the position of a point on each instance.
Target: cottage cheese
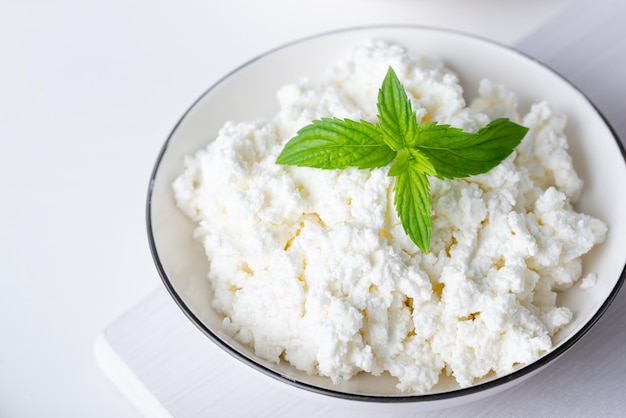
(313, 267)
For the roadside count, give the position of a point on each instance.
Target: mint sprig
(416, 150)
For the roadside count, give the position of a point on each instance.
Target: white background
(89, 91)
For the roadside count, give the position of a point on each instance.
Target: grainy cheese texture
(312, 266)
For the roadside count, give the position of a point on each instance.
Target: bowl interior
(240, 96)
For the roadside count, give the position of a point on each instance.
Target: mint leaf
(455, 153)
(412, 201)
(333, 143)
(396, 118)
(411, 156)
(401, 163)
(421, 162)
(415, 150)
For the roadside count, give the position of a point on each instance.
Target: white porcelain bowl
(248, 93)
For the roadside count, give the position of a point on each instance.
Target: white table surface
(89, 90)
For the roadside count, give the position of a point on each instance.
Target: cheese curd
(312, 266)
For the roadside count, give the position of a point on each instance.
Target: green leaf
(411, 156)
(421, 162)
(396, 118)
(333, 143)
(401, 163)
(412, 202)
(416, 151)
(455, 153)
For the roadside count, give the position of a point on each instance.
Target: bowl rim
(410, 398)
